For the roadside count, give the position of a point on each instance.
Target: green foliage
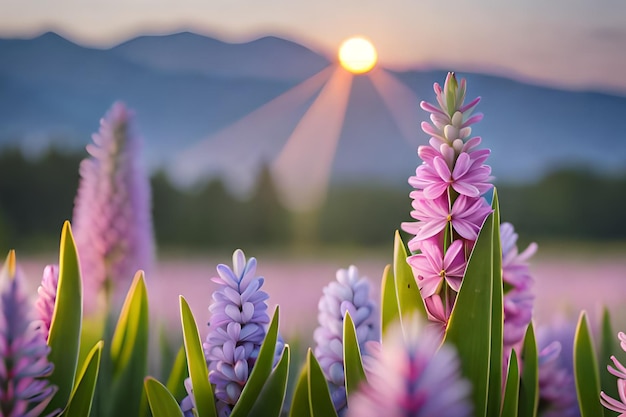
(162, 403)
(260, 372)
(586, 371)
(529, 384)
(312, 397)
(196, 363)
(353, 365)
(176, 380)
(81, 399)
(65, 328)
(511, 390)
(410, 301)
(129, 352)
(270, 401)
(390, 310)
(474, 310)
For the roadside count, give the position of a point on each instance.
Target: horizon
(331, 55)
(566, 44)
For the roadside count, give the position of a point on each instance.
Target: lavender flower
(47, 297)
(620, 372)
(112, 219)
(349, 293)
(24, 391)
(518, 298)
(448, 199)
(238, 326)
(557, 387)
(411, 376)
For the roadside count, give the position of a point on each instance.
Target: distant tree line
(37, 195)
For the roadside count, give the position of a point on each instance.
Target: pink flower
(468, 176)
(432, 267)
(519, 299)
(620, 372)
(412, 375)
(47, 295)
(112, 215)
(466, 216)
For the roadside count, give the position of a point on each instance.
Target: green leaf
(497, 316)
(352, 362)
(529, 384)
(511, 391)
(129, 351)
(608, 347)
(176, 380)
(586, 371)
(260, 372)
(64, 336)
(81, 399)
(470, 324)
(196, 363)
(270, 401)
(409, 297)
(320, 403)
(162, 402)
(300, 401)
(390, 310)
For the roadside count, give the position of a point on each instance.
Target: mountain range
(186, 88)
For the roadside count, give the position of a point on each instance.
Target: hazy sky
(577, 43)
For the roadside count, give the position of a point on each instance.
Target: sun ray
(302, 169)
(237, 152)
(401, 101)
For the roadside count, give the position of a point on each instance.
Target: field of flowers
(461, 320)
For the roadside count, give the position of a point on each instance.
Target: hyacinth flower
(518, 282)
(24, 389)
(448, 201)
(619, 371)
(411, 375)
(349, 293)
(237, 329)
(112, 215)
(47, 295)
(557, 386)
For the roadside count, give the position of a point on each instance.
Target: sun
(357, 55)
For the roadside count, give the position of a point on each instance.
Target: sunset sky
(572, 43)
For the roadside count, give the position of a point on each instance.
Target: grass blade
(162, 402)
(64, 337)
(129, 351)
(269, 402)
(81, 399)
(196, 363)
(511, 391)
(586, 371)
(261, 370)
(529, 384)
(352, 362)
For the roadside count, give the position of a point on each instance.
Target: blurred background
(220, 88)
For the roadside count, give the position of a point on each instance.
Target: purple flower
(238, 326)
(24, 366)
(557, 387)
(47, 292)
(432, 267)
(620, 372)
(349, 293)
(112, 218)
(518, 297)
(411, 376)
